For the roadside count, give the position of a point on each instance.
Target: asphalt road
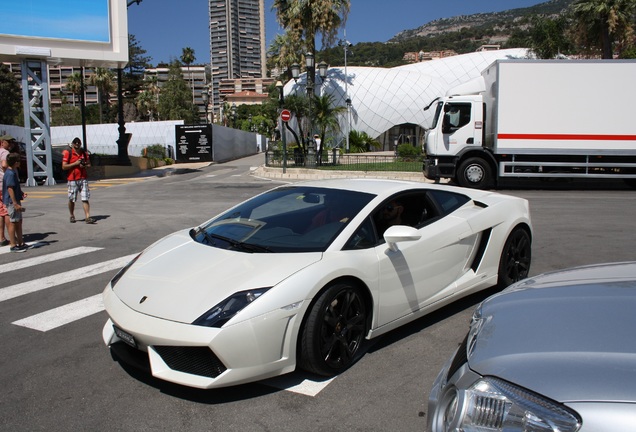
(57, 375)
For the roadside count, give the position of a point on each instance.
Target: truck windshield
(438, 111)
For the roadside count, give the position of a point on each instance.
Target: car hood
(180, 279)
(573, 342)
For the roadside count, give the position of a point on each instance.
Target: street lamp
(281, 102)
(233, 115)
(346, 44)
(206, 98)
(348, 101)
(311, 71)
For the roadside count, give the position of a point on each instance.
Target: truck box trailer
(536, 118)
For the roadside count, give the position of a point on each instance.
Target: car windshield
(289, 219)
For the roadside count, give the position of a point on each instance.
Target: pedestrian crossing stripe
(62, 315)
(32, 286)
(18, 265)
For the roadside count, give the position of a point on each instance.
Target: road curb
(314, 174)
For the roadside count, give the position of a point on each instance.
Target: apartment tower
(237, 42)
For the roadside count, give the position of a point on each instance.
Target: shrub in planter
(408, 152)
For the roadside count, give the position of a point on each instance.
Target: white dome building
(388, 104)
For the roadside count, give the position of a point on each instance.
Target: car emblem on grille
(143, 299)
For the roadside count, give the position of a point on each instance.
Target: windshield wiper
(235, 244)
(250, 247)
(209, 239)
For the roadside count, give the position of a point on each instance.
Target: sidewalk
(294, 174)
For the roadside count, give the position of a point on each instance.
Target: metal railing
(333, 160)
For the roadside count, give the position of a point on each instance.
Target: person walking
(12, 196)
(318, 142)
(75, 160)
(6, 144)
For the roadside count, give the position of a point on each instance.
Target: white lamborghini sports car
(302, 275)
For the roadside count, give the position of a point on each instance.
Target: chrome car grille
(192, 360)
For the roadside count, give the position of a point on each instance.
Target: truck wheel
(474, 173)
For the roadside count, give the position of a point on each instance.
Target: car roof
(387, 186)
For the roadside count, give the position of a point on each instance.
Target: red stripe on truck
(574, 137)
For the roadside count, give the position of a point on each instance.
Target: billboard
(70, 32)
(78, 20)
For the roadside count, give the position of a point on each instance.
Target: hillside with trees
(550, 29)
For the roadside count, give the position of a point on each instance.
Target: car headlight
(225, 310)
(121, 272)
(492, 404)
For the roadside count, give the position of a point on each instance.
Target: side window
(448, 202)
(456, 116)
(411, 209)
(363, 238)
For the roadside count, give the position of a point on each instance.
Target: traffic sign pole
(284, 114)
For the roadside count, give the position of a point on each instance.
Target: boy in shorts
(12, 197)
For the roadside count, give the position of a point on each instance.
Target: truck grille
(192, 360)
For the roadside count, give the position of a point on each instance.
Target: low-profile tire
(475, 173)
(516, 256)
(334, 330)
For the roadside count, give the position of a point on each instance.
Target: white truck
(536, 119)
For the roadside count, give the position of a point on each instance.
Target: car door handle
(470, 140)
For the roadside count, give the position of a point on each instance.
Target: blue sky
(165, 27)
(60, 19)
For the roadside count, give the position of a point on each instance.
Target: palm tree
(603, 22)
(187, 57)
(146, 104)
(300, 107)
(283, 52)
(151, 85)
(74, 84)
(303, 19)
(326, 116)
(360, 142)
(104, 80)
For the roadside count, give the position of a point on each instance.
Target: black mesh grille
(461, 357)
(193, 360)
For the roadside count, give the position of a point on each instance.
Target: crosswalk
(54, 318)
(44, 321)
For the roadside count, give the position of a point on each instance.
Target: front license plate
(126, 337)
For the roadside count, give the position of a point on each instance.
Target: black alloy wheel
(334, 330)
(514, 264)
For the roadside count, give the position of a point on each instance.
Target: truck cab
(456, 131)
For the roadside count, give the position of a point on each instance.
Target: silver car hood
(568, 338)
(180, 279)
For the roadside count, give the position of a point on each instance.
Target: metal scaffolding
(35, 98)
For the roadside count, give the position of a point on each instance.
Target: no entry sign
(285, 115)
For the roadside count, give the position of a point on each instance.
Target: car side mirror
(400, 233)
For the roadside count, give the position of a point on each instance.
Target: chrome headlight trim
(492, 404)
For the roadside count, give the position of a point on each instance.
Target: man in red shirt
(75, 160)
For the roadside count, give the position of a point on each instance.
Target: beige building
(414, 57)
